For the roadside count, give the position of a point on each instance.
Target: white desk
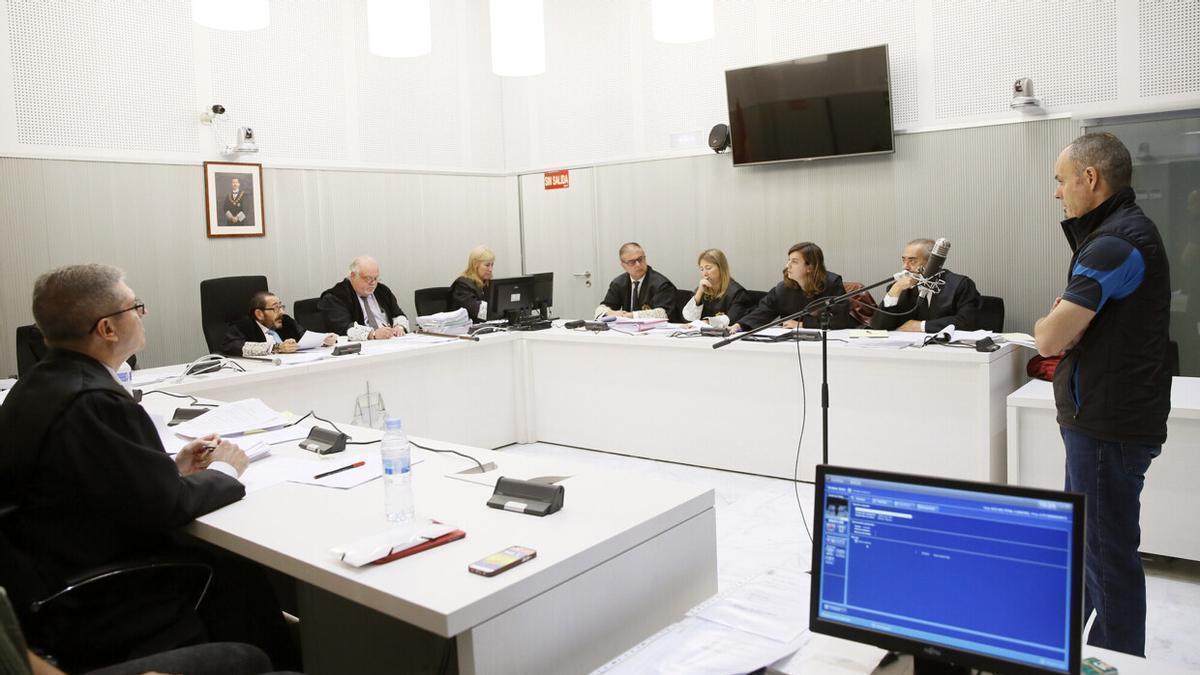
(614, 566)
(737, 409)
(1170, 509)
(740, 408)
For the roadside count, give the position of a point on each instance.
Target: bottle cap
(392, 423)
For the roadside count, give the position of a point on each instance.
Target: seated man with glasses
(362, 308)
(85, 469)
(640, 292)
(957, 303)
(267, 330)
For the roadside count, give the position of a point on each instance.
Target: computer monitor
(543, 292)
(972, 574)
(509, 296)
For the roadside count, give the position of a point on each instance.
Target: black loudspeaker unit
(524, 496)
(718, 138)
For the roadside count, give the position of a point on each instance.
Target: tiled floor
(759, 528)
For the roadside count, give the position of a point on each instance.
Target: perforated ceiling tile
(103, 75)
(815, 27)
(1168, 47)
(287, 81)
(981, 48)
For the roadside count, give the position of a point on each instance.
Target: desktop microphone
(928, 274)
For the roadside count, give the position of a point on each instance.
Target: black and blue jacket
(1115, 385)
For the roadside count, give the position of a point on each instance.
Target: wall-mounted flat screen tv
(831, 105)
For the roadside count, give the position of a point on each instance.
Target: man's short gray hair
(628, 245)
(67, 301)
(926, 244)
(1105, 153)
(358, 262)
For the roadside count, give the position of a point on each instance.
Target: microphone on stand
(929, 284)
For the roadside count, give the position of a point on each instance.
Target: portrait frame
(230, 212)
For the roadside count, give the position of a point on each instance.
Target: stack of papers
(238, 417)
(452, 323)
(633, 326)
(402, 536)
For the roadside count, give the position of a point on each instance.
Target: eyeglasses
(369, 280)
(275, 308)
(138, 306)
(636, 261)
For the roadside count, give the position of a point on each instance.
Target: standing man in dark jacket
(1113, 386)
(957, 302)
(361, 307)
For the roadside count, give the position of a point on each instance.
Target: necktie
(367, 310)
(633, 305)
(275, 336)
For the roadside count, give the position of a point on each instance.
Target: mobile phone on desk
(502, 561)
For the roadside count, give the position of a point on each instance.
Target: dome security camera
(207, 116)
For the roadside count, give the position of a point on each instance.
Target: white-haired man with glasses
(85, 469)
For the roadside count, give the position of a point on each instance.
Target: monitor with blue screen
(975, 574)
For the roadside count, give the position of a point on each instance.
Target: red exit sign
(557, 180)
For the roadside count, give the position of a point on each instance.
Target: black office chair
(755, 296)
(307, 315)
(431, 300)
(681, 300)
(31, 348)
(991, 314)
(1173, 357)
(71, 624)
(223, 301)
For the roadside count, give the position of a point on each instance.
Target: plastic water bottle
(397, 472)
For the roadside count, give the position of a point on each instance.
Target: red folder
(423, 546)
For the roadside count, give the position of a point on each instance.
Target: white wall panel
(1168, 47)
(1068, 48)
(149, 220)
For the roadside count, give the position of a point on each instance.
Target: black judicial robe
(957, 303)
(465, 293)
(341, 308)
(784, 300)
(92, 484)
(246, 330)
(656, 291)
(734, 304)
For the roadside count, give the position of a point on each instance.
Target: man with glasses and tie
(362, 308)
(640, 292)
(85, 469)
(267, 330)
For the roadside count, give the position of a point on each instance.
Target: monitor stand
(906, 664)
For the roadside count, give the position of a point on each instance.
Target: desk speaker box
(324, 441)
(522, 496)
(184, 414)
(348, 348)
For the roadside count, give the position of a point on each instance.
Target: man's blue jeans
(1111, 475)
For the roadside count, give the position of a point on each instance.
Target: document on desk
(274, 470)
(7, 383)
(311, 340)
(371, 469)
(489, 479)
(236, 417)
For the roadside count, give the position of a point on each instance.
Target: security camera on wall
(1023, 98)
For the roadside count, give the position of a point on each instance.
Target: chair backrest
(682, 296)
(223, 301)
(755, 296)
(862, 306)
(991, 314)
(307, 315)
(30, 348)
(431, 300)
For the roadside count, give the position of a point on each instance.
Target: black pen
(344, 468)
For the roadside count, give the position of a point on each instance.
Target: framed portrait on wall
(233, 195)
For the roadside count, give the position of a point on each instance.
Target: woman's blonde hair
(716, 257)
(812, 255)
(479, 254)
